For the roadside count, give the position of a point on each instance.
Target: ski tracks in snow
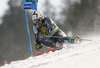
(83, 55)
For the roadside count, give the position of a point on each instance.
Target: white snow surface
(3, 7)
(84, 55)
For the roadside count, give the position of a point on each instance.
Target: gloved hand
(38, 46)
(77, 40)
(74, 40)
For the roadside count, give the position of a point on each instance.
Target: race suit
(50, 28)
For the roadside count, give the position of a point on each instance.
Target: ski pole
(67, 37)
(81, 39)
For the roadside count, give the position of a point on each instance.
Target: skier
(45, 26)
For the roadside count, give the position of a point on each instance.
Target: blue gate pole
(29, 5)
(28, 33)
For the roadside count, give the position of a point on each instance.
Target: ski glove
(37, 46)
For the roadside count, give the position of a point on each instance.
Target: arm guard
(49, 24)
(35, 34)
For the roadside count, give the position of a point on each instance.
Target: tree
(81, 16)
(13, 33)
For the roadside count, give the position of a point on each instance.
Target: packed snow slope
(84, 55)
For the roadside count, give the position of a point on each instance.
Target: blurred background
(75, 17)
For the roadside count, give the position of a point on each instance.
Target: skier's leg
(59, 41)
(66, 40)
(47, 42)
(62, 37)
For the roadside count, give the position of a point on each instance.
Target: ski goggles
(37, 20)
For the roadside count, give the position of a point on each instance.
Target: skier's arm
(35, 34)
(49, 24)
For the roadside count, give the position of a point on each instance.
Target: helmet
(37, 16)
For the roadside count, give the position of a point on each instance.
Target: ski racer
(45, 26)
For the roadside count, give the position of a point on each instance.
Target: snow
(56, 6)
(52, 2)
(83, 55)
(3, 8)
